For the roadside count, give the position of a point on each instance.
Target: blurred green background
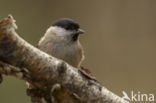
(119, 43)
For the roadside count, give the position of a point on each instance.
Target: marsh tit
(61, 40)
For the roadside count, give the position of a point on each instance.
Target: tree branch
(44, 70)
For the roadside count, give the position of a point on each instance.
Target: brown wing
(87, 73)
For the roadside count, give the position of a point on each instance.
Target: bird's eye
(71, 27)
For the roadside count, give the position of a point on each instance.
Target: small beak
(80, 31)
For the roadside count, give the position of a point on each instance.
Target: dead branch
(43, 70)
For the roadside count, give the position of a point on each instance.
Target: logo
(138, 96)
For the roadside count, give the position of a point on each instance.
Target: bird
(61, 40)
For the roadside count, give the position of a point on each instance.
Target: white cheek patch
(59, 31)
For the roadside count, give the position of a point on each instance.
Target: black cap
(67, 24)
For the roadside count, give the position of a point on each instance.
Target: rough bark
(43, 70)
